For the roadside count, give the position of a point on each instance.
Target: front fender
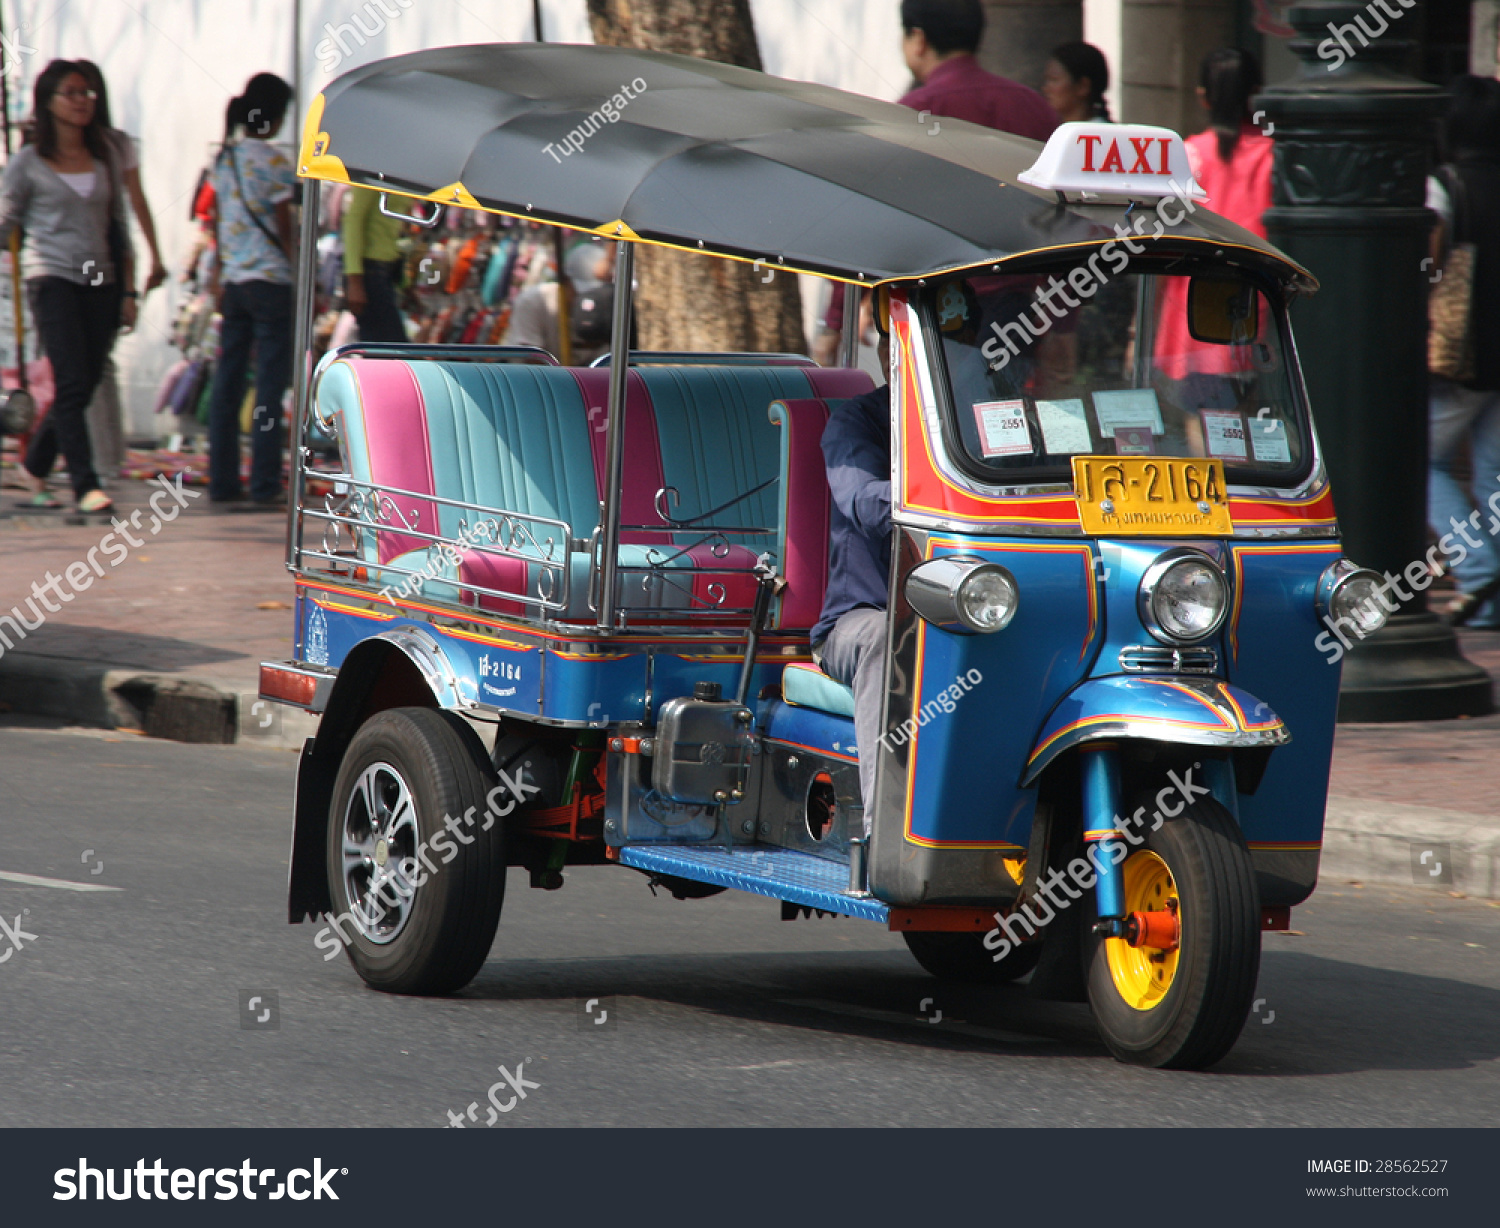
(1195, 711)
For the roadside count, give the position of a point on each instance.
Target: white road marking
(36, 880)
(775, 1065)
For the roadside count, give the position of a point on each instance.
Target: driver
(848, 642)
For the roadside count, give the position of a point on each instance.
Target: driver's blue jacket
(857, 451)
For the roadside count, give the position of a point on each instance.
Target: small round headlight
(987, 599)
(963, 594)
(1183, 597)
(1350, 597)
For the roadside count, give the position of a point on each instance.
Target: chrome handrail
(706, 358)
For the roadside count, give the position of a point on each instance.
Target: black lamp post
(1352, 134)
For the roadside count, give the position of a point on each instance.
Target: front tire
(1182, 1009)
(416, 918)
(964, 957)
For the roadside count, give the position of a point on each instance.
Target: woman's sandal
(42, 500)
(95, 501)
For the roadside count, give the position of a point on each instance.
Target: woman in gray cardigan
(65, 193)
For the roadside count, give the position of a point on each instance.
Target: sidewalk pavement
(169, 643)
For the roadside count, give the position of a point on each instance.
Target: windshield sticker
(1224, 433)
(1269, 442)
(1134, 441)
(1128, 407)
(1002, 428)
(1065, 428)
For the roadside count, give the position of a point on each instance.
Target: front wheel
(416, 864)
(1181, 1008)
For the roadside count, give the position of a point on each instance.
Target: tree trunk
(685, 301)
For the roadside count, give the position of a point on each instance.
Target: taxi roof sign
(1114, 160)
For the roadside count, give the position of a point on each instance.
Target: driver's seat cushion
(806, 686)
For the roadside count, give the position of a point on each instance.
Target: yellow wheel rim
(1142, 975)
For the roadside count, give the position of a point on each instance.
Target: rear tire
(964, 957)
(408, 928)
(1181, 1010)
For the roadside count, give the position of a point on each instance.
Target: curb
(1385, 842)
(173, 706)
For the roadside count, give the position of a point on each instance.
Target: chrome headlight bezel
(1336, 579)
(935, 588)
(1151, 582)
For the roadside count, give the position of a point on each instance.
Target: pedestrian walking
(372, 267)
(1074, 83)
(1231, 161)
(106, 428)
(254, 188)
(1464, 412)
(66, 192)
(939, 41)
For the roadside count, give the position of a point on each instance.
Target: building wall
(1019, 34)
(1162, 44)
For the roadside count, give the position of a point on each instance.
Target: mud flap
(307, 881)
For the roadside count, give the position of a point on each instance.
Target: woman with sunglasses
(64, 191)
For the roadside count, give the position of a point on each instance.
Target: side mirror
(1223, 311)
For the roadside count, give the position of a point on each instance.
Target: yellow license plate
(1151, 496)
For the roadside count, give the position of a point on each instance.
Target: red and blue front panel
(962, 786)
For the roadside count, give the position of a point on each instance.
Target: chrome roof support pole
(849, 338)
(614, 440)
(302, 323)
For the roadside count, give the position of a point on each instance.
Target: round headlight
(1183, 597)
(1350, 597)
(962, 593)
(987, 599)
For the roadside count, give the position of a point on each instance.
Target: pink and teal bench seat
(529, 440)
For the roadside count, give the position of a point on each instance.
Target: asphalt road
(126, 1008)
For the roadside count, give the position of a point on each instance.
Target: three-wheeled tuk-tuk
(555, 617)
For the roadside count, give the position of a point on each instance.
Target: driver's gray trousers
(854, 654)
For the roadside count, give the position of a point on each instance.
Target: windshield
(1041, 367)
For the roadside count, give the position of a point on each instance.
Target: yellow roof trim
(617, 230)
(454, 194)
(314, 161)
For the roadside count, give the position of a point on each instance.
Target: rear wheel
(1181, 1007)
(964, 957)
(416, 916)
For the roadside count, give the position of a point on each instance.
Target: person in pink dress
(1231, 159)
(1231, 162)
